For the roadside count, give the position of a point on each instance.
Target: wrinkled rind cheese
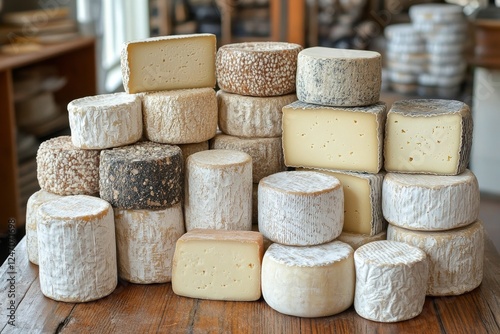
(356, 240)
(391, 281)
(180, 117)
(218, 190)
(455, 257)
(300, 208)
(145, 241)
(266, 153)
(250, 116)
(339, 77)
(77, 249)
(428, 137)
(430, 202)
(105, 121)
(64, 169)
(257, 68)
(310, 281)
(169, 63)
(145, 175)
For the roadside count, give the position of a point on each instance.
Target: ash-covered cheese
(339, 77)
(77, 249)
(257, 68)
(456, 256)
(169, 63)
(349, 139)
(145, 241)
(310, 281)
(104, 121)
(300, 208)
(430, 202)
(145, 175)
(181, 116)
(391, 281)
(356, 240)
(251, 116)
(218, 190)
(428, 137)
(64, 169)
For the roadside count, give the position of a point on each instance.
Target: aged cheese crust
(356, 240)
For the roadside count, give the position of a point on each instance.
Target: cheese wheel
(257, 68)
(145, 175)
(391, 281)
(449, 69)
(445, 48)
(439, 13)
(188, 149)
(311, 281)
(396, 47)
(180, 116)
(77, 249)
(301, 208)
(249, 116)
(430, 202)
(104, 121)
(456, 256)
(339, 77)
(402, 32)
(145, 241)
(64, 169)
(218, 190)
(426, 28)
(411, 58)
(406, 67)
(356, 240)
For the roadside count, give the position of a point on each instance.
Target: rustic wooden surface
(133, 308)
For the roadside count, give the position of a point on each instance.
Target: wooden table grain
(134, 308)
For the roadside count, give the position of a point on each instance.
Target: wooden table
(154, 308)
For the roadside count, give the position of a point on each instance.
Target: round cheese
(104, 121)
(391, 281)
(77, 249)
(257, 68)
(301, 208)
(397, 47)
(356, 240)
(402, 32)
(145, 175)
(438, 13)
(311, 281)
(64, 169)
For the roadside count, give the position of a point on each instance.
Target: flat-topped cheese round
(180, 116)
(64, 169)
(105, 121)
(300, 208)
(402, 32)
(311, 281)
(339, 77)
(439, 13)
(257, 68)
(145, 175)
(356, 240)
(77, 249)
(391, 281)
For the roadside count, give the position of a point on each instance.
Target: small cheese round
(301, 208)
(105, 121)
(250, 116)
(391, 281)
(438, 13)
(218, 190)
(402, 32)
(257, 68)
(77, 249)
(145, 175)
(64, 169)
(356, 240)
(180, 116)
(397, 47)
(311, 281)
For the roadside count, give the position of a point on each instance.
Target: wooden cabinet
(75, 60)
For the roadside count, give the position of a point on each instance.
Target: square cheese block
(218, 265)
(341, 138)
(428, 137)
(169, 62)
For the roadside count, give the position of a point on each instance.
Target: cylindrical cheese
(356, 240)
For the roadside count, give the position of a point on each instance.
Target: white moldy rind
(300, 208)
(145, 241)
(77, 249)
(357, 240)
(312, 281)
(430, 202)
(180, 117)
(391, 281)
(339, 77)
(456, 256)
(218, 190)
(105, 121)
(250, 116)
